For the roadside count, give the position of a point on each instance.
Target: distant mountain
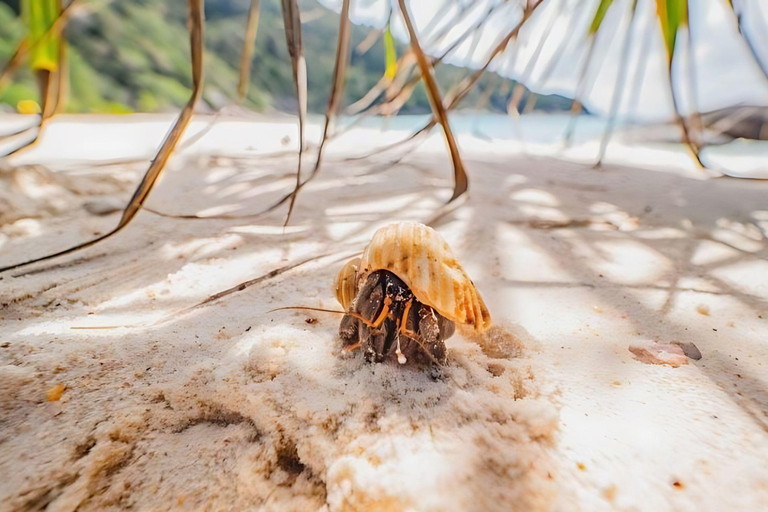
(133, 55)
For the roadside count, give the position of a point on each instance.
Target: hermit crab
(403, 298)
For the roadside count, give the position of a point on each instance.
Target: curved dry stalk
(421, 131)
(403, 63)
(459, 92)
(246, 56)
(292, 22)
(337, 93)
(393, 87)
(169, 144)
(460, 182)
(62, 77)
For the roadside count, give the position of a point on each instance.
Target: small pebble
(689, 349)
(103, 205)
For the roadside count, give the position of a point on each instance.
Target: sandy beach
(117, 392)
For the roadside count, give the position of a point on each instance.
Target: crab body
(405, 294)
(388, 323)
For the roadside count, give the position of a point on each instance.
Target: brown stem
(292, 27)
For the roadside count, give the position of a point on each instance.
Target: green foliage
(599, 16)
(39, 15)
(391, 54)
(672, 15)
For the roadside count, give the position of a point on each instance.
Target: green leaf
(391, 55)
(672, 15)
(39, 16)
(599, 16)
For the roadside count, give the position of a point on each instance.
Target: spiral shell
(345, 284)
(419, 256)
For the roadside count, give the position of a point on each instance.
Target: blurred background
(134, 57)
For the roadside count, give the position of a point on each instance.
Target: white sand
(230, 407)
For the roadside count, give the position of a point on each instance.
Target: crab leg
(403, 330)
(350, 348)
(383, 315)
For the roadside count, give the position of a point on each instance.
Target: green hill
(134, 56)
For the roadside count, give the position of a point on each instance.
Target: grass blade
(169, 144)
(246, 56)
(390, 54)
(460, 182)
(602, 9)
(292, 22)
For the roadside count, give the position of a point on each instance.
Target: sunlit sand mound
(117, 392)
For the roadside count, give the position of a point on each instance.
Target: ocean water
(650, 145)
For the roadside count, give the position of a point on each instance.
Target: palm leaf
(672, 15)
(597, 21)
(39, 16)
(390, 54)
